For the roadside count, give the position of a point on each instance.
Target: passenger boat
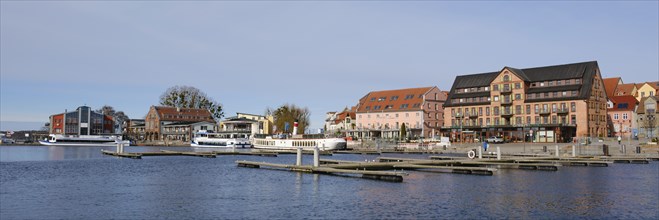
(307, 142)
(83, 140)
(220, 140)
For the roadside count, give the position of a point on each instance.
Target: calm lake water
(81, 183)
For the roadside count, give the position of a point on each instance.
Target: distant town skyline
(321, 55)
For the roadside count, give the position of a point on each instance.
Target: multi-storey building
(621, 117)
(646, 89)
(247, 123)
(339, 122)
(647, 120)
(170, 123)
(82, 121)
(381, 114)
(541, 104)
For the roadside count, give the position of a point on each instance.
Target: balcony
(506, 113)
(505, 90)
(561, 111)
(544, 111)
(472, 115)
(506, 102)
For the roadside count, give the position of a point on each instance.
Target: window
(376, 107)
(624, 116)
(577, 81)
(382, 98)
(537, 108)
(642, 94)
(487, 111)
(518, 96)
(559, 82)
(623, 105)
(418, 105)
(495, 87)
(393, 98)
(550, 83)
(409, 96)
(506, 78)
(573, 107)
(574, 93)
(651, 93)
(404, 106)
(518, 86)
(496, 98)
(389, 107)
(373, 99)
(573, 119)
(615, 116)
(487, 88)
(368, 108)
(542, 84)
(528, 109)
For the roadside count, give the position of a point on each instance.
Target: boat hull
(221, 143)
(306, 144)
(85, 144)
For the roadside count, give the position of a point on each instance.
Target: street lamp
(459, 115)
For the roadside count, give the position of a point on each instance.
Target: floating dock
(369, 174)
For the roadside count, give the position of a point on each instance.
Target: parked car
(494, 139)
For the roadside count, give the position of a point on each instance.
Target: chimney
(295, 127)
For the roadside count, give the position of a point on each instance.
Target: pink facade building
(381, 114)
(622, 115)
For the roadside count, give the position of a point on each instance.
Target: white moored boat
(83, 140)
(306, 142)
(220, 140)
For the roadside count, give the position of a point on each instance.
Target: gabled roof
(641, 104)
(629, 100)
(625, 89)
(186, 114)
(519, 73)
(610, 85)
(584, 70)
(654, 85)
(395, 105)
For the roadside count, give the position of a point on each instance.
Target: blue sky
(322, 55)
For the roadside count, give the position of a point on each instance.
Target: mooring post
(498, 153)
(316, 156)
(120, 148)
(557, 155)
(480, 153)
(574, 151)
(298, 162)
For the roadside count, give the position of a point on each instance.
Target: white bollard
(557, 155)
(498, 153)
(316, 157)
(480, 153)
(298, 162)
(574, 151)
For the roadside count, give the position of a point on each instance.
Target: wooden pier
(369, 174)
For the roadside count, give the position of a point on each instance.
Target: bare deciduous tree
(191, 97)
